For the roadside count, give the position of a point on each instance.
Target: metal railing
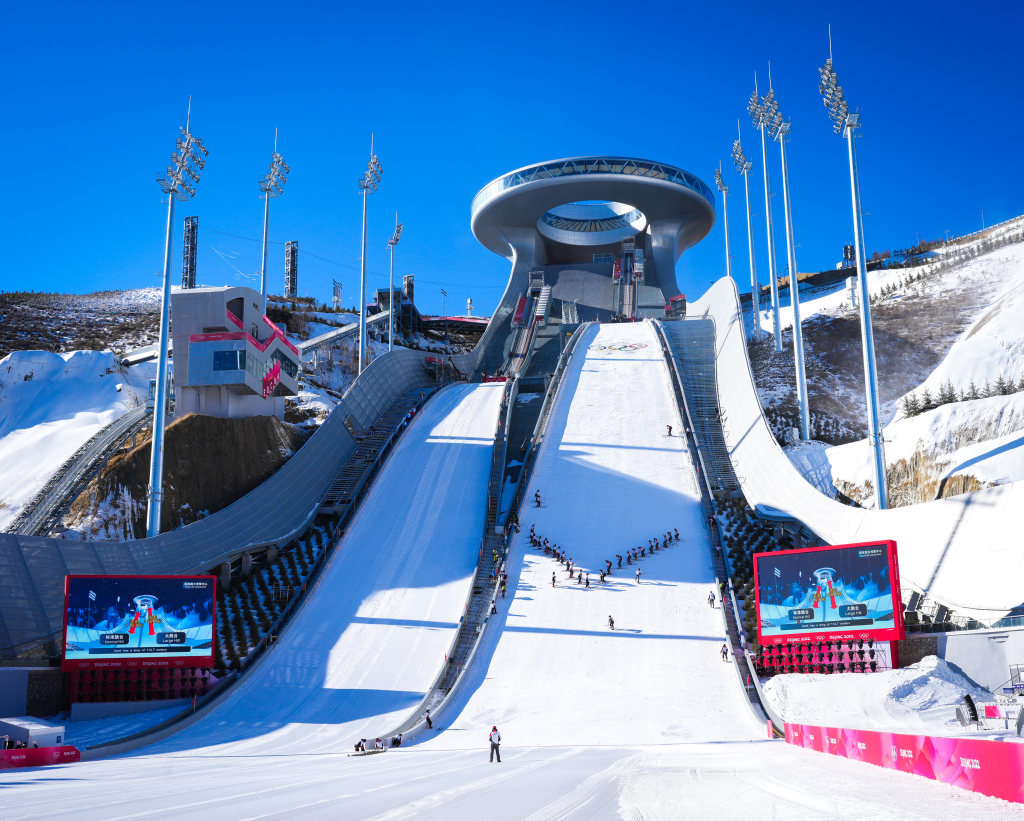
(731, 616)
(473, 624)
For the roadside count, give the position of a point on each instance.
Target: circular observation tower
(579, 211)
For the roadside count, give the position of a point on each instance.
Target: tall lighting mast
(724, 189)
(391, 282)
(743, 165)
(367, 184)
(179, 183)
(761, 111)
(777, 130)
(271, 185)
(843, 122)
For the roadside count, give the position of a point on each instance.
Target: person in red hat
(495, 738)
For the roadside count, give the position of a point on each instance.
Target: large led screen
(839, 592)
(138, 621)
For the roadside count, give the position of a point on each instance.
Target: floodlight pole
(180, 182)
(271, 186)
(444, 312)
(867, 336)
(362, 289)
(367, 183)
(794, 294)
(743, 165)
(156, 463)
(844, 123)
(266, 236)
(755, 288)
(391, 282)
(724, 189)
(772, 272)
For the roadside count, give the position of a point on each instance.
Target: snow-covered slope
(983, 438)
(610, 479)
(957, 321)
(364, 650)
(51, 404)
(948, 548)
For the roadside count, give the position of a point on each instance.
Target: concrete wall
(984, 655)
(13, 691)
(31, 691)
(91, 710)
(914, 648)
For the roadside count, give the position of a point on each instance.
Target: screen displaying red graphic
(838, 592)
(138, 621)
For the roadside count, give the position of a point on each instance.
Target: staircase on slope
(692, 342)
(342, 493)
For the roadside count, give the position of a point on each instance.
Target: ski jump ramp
(963, 551)
(550, 670)
(366, 646)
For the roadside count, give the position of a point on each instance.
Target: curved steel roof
(519, 200)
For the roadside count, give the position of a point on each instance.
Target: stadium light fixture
(762, 111)
(778, 129)
(391, 281)
(724, 190)
(271, 185)
(845, 123)
(367, 184)
(178, 183)
(743, 165)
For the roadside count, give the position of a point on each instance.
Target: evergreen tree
(910, 405)
(972, 391)
(926, 400)
(987, 390)
(947, 393)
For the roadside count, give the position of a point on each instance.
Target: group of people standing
(582, 577)
(633, 555)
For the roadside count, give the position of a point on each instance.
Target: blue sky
(457, 94)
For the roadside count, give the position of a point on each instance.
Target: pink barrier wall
(993, 768)
(38, 757)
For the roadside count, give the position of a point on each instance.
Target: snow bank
(981, 437)
(50, 405)
(921, 698)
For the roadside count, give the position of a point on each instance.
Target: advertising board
(987, 766)
(138, 621)
(836, 592)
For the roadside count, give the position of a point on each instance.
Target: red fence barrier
(980, 765)
(38, 757)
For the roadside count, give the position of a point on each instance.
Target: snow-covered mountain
(948, 338)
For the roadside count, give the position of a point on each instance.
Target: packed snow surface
(642, 722)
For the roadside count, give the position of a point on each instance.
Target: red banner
(38, 757)
(980, 765)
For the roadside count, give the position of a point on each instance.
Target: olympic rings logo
(628, 348)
